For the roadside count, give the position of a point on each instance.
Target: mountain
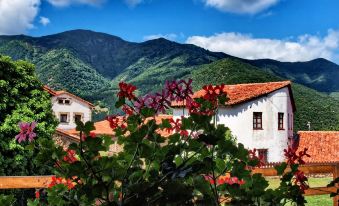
(319, 74)
(90, 64)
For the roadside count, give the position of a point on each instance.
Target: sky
(285, 30)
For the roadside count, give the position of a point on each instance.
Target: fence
(310, 169)
(24, 182)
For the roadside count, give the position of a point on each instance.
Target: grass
(318, 200)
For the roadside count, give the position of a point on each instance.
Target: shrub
(193, 164)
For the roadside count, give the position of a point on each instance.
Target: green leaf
(281, 168)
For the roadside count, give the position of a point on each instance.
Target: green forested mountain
(90, 64)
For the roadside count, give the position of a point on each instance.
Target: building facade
(69, 108)
(259, 115)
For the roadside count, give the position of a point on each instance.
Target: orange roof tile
(57, 93)
(68, 134)
(239, 93)
(323, 146)
(103, 127)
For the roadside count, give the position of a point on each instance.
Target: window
(64, 101)
(63, 118)
(281, 121)
(262, 153)
(257, 120)
(77, 118)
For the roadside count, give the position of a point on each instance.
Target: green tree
(21, 99)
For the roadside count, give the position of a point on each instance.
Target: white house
(260, 115)
(68, 108)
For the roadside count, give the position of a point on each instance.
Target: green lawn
(319, 200)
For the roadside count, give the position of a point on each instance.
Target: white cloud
(170, 36)
(133, 3)
(44, 20)
(304, 48)
(16, 16)
(241, 6)
(63, 3)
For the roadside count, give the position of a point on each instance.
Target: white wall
(75, 107)
(239, 119)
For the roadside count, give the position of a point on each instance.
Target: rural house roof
(323, 146)
(103, 127)
(58, 93)
(240, 93)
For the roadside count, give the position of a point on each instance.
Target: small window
(67, 101)
(257, 120)
(280, 121)
(63, 118)
(77, 118)
(262, 153)
(60, 101)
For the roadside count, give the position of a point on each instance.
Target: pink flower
(178, 90)
(26, 131)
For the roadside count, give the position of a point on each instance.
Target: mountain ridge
(90, 64)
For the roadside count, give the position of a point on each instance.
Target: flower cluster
(178, 90)
(26, 131)
(253, 156)
(70, 157)
(160, 101)
(116, 121)
(292, 156)
(176, 127)
(301, 180)
(212, 92)
(224, 180)
(297, 158)
(58, 180)
(126, 91)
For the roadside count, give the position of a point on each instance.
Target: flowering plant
(185, 161)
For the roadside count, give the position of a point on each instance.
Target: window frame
(263, 153)
(78, 114)
(257, 125)
(60, 118)
(281, 121)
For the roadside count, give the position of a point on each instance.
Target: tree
(22, 99)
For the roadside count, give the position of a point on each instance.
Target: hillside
(90, 64)
(319, 74)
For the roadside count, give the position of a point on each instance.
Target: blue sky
(287, 30)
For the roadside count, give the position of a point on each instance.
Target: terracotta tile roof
(239, 93)
(57, 93)
(103, 128)
(67, 134)
(323, 146)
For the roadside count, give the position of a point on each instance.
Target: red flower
(212, 92)
(92, 135)
(116, 121)
(126, 91)
(178, 90)
(70, 157)
(55, 181)
(37, 194)
(301, 180)
(128, 110)
(292, 156)
(253, 156)
(58, 180)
